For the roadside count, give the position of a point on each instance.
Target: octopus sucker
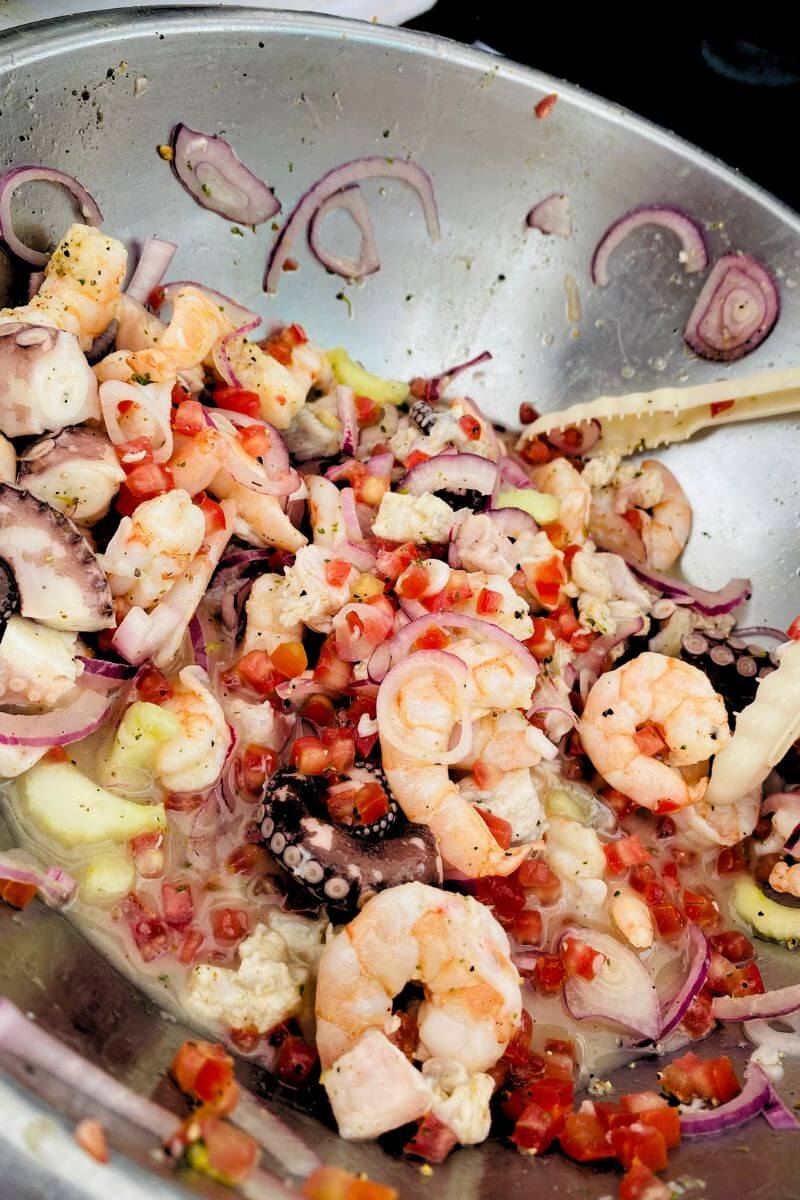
(734, 666)
(342, 866)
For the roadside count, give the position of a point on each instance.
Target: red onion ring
(356, 553)
(108, 670)
(60, 727)
(552, 216)
(381, 661)
(625, 995)
(14, 178)
(450, 471)
(513, 522)
(213, 174)
(347, 415)
(352, 526)
(699, 962)
(777, 1115)
(752, 1100)
(511, 472)
(198, 640)
(694, 251)
(153, 262)
(54, 884)
(575, 440)
(340, 177)
(735, 311)
(711, 604)
(102, 344)
(765, 1005)
(434, 662)
(380, 465)
(431, 389)
(271, 475)
(351, 200)
(219, 352)
(236, 313)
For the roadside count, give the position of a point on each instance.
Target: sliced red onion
(352, 526)
(271, 475)
(694, 251)
(347, 415)
(736, 310)
(153, 262)
(380, 465)
(513, 522)
(424, 662)
(14, 178)
(220, 352)
(699, 962)
(102, 344)
(55, 885)
(431, 389)
(236, 313)
(552, 216)
(752, 1100)
(450, 471)
(351, 200)
(575, 440)
(356, 553)
(511, 472)
(402, 642)
(60, 727)
(621, 991)
(212, 172)
(711, 604)
(777, 1115)
(546, 699)
(105, 668)
(152, 399)
(198, 641)
(525, 960)
(766, 1005)
(341, 177)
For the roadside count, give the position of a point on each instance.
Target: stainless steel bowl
(298, 94)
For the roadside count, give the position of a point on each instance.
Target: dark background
(730, 85)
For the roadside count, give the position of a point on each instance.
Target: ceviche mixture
(382, 742)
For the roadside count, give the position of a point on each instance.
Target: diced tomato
(625, 853)
(669, 920)
(341, 803)
(644, 880)
(581, 642)
(256, 670)
(692, 1078)
(620, 803)
(547, 1103)
(332, 1183)
(56, 754)
(549, 974)
(698, 1020)
(666, 1120)
(188, 418)
(310, 756)
(255, 767)
(391, 561)
(319, 710)
(155, 298)
(190, 946)
(332, 671)
(500, 830)
(134, 453)
(296, 1062)
(567, 621)
(413, 584)
(733, 945)
(724, 979)
(542, 642)
(238, 400)
(720, 406)
(177, 903)
(489, 602)
(337, 572)
(289, 659)
(633, 516)
(457, 590)
(527, 414)
(150, 935)
(248, 859)
(505, 897)
(415, 458)
(557, 535)
(639, 1183)
(255, 440)
(371, 803)
(367, 411)
(793, 631)
(639, 1141)
(91, 1137)
(536, 876)
(731, 859)
(550, 1094)
(434, 638)
(584, 1138)
(536, 451)
(650, 739)
(281, 344)
(230, 1152)
(470, 427)
(433, 1140)
(152, 686)
(148, 854)
(341, 749)
(18, 895)
(229, 924)
(487, 778)
(640, 1102)
(548, 579)
(519, 1046)
(700, 907)
(579, 958)
(212, 513)
(527, 927)
(144, 482)
(204, 1071)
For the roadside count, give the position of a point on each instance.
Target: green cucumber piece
(64, 804)
(768, 919)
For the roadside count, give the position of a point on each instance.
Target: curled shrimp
(193, 761)
(197, 460)
(81, 285)
(645, 516)
(560, 479)
(420, 704)
(260, 520)
(151, 549)
(654, 699)
(505, 740)
(707, 824)
(281, 388)
(452, 945)
(197, 323)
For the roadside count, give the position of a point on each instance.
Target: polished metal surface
(296, 95)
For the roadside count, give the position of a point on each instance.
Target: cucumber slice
(769, 920)
(543, 508)
(65, 805)
(141, 733)
(351, 374)
(107, 878)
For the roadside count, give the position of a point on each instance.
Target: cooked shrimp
(560, 479)
(197, 460)
(645, 515)
(785, 877)
(421, 712)
(705, 824)
(324, 511)
(197, 323)
(193, 761)
(265, 629)
(260, 519)
(654, 698)
(666, 527)
(449, 943)
(281, 389)
(81, 285)
(150, 549)
(506, 740)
